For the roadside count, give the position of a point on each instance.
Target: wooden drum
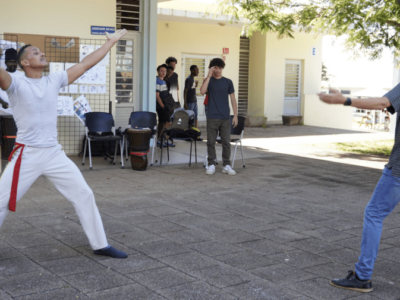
(139, 144)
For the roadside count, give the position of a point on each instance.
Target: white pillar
(149, 56)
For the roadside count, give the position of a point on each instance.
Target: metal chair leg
(205, 165)
(161, 147)
(190, 157)
(90, 154)
(84, 152)
(126, 147)
(241, 149)
(234, 155)
(115, 152)
(121, 147)
(152, 152)
(195, 150)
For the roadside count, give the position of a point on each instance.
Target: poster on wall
(83, 89)
(85, 50)
(102, 89)
(64, 90)
(65, 106)
(73, 89)
(56, 67)
(81, 107)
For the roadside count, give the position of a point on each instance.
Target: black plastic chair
(101, 122)
(143, 119)
(238, 130)
(171, 134)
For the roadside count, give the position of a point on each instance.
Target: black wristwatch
(347, 102)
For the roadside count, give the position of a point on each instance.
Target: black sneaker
(351, 282)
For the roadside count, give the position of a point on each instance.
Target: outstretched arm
(5, 79)
(370, 103)
(92, 59)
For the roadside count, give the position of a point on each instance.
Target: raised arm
(206, 81)
(5, 79)
(370, 103)
(92, 59)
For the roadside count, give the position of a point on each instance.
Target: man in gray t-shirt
(219, 89)
(385, 198)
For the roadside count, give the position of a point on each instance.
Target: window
(345, 92)
(128, 14)
(243, 90)
(124, 72)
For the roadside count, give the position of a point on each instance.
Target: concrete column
(149, 56)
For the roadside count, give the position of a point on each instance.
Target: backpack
(182, 119)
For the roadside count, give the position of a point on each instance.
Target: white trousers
(52, 163)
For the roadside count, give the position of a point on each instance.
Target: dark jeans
(224, 128)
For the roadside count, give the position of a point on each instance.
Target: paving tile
(330, 270)
(135, 236)
(246, 260)
(314, 245)
(139, 218)
(222, 276)
(65, 293)
(297, 226)
(252, 225)
(19, 265)
(127, 292)
(387, 269)
(236, 236)
(161, 227)
(282, 235)
(97, 280)
(160, 278)
(319, 288)
(300, 259)
(4, 296)
(30, 239)
(6, 253)
(266, 247)
(134, 263)
(161, 248)
(282, 274)
(195, 291)
(327, 234)
(214, 248)
(308, 216)
(390, 254)
(162, 210)
(49, 252)
(261, 289)
(340, 224)
(30, 283)
(71, 265)
(189, 236)
(345, 256)
(187, 262)
(267, 217)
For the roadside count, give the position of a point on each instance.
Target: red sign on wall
(225, 50)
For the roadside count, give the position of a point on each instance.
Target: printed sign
(314, 51)
(101, 30)
(225, 50)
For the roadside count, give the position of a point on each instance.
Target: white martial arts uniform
(34, 104)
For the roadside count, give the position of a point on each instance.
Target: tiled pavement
(280, 229)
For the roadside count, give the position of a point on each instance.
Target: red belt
(14, 186)
(9, 136)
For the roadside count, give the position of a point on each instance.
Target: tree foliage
(370, 26)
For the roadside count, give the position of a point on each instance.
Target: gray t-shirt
(218, 98)
(394, 160)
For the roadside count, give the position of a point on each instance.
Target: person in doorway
(190, 92)
(385, 197)
(11, 63)
(162, 93)
(219, 89)
(37, 151)
(173, 81)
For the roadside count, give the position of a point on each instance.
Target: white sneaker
(228, 170)
(210, 170)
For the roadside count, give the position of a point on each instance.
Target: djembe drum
(9, 135)
(139, 144)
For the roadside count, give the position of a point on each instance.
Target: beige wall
(277, 51)
(189, 38)
(62, 18)
(258, 48)
(318, 113)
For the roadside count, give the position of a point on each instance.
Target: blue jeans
(383, 201)
(193, 106)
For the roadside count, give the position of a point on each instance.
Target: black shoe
(351, 282)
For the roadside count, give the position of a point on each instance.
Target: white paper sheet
(92, 89)
(102, 89)
(56, 67)
(81, 107)
(105, 60)
(69, 65)
(85, 50)
(64, 90)
(65, 106)
(73, 89)
(83, 89)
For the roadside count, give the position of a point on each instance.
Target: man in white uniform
(33, 99)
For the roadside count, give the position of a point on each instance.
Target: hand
(335, 98)
(116, 36)
(211, 72)
(235, 121)
(186, 107)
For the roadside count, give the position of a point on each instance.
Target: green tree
(369, 25)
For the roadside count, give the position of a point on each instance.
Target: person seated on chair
(162, 92)
(219, 90)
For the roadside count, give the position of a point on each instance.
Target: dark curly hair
(170, 60)
(162, 66)
(217, 62)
